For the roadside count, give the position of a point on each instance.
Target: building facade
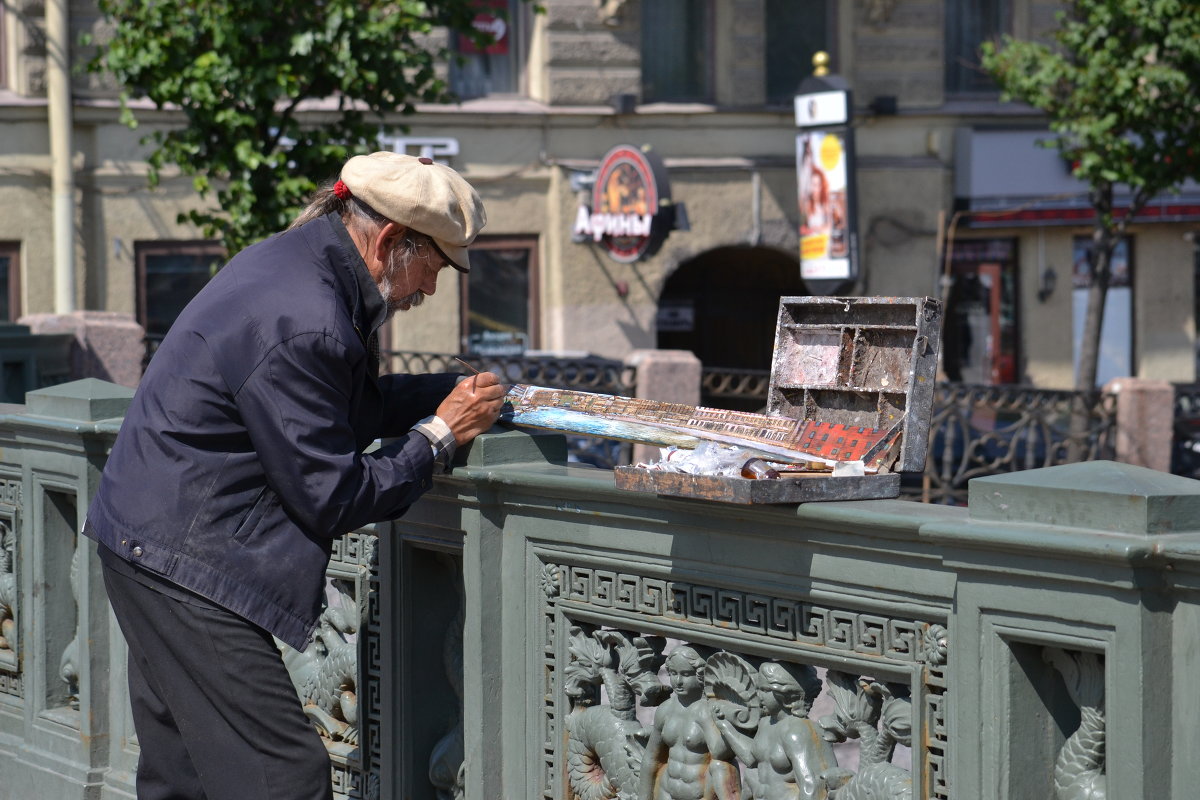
(954, 197)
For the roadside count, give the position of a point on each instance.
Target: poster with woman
(824, 218)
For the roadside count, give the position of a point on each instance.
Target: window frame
(952, 12)
(709, 58)
(165, 247)
(527, 242)
(829, 35)
(519, 27)
(12, 250)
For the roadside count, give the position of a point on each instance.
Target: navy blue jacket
(241, 457)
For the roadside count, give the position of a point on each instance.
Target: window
(676, 51)
(969, 25)
(3, 49)
(796, 31)
(499, 297)
(493, 69)
(10, 281)
(169, 274)
(1116, 329)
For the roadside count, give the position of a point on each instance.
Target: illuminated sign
(631, 209)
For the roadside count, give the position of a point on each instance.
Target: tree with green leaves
(243, 71)
(1120, 85)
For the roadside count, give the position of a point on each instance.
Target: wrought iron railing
(585, 373)
(738, 389)
(1185, 450)
(978, 430)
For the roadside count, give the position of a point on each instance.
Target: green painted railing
(528, 630)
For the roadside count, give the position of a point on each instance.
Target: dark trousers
(217, 716)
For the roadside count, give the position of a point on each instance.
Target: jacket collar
(370, 311)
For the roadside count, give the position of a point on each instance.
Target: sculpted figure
(1079, 771)
(8, 597)
(687, 758)
(605, 741)
(787, 754)
(874, 713)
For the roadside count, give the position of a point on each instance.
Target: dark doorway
(722, 305)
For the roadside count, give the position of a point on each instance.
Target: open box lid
(858, 362)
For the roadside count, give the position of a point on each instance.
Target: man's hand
(473, 406)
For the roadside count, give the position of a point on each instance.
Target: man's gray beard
(397, 261)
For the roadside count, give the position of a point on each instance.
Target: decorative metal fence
(738, 389)
(1185, 450)
(979, 430)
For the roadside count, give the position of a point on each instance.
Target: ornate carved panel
(631, 714)
(10, 652)
(345, 656)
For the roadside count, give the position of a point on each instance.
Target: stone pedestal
(672, 376)
(108, 345)
(1145, 421)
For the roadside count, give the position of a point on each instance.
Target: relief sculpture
(68, 662)
(723, 729)
(786, 756)
(879, 715)
(604, 742)
(687, 757)
(8, 597)
(326, 674)
(1079, 769)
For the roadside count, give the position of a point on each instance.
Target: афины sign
(631, 209)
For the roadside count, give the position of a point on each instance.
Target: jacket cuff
(441, 440)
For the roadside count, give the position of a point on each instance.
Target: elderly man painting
(241, 459)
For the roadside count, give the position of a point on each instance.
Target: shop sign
(497, 343)
(631, 210)
(681, 318)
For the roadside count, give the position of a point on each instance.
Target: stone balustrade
(529, 631)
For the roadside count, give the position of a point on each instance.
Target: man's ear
(386, 239)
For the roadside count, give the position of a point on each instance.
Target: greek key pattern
(347, 782)
(10, 492)
(10, 684)
(371, 654)
(551, 580)
(936, 738)
(356, 548)
(355, 554)
(747, 612)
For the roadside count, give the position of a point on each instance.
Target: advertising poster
(824, 209)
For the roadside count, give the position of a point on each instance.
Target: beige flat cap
(420, 194)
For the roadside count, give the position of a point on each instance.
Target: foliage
(242, 71)
(1120, 85)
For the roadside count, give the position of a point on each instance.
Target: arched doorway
(722, 305)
